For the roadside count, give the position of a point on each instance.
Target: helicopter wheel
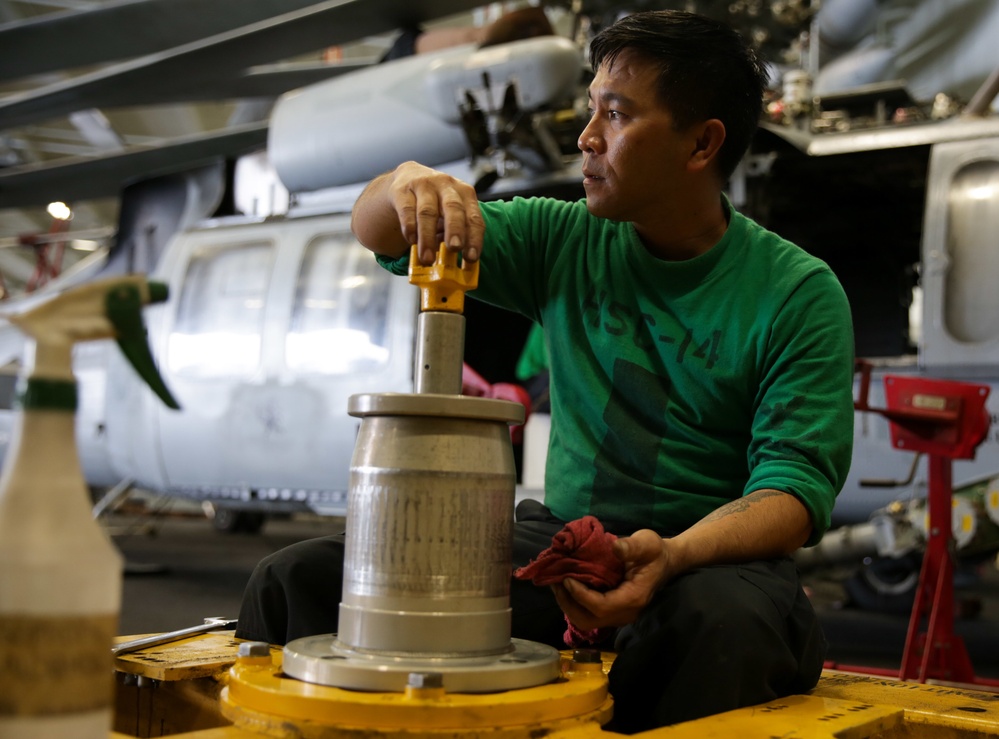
(233, 521)
(885, 584)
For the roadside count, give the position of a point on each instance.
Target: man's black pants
(713, 639)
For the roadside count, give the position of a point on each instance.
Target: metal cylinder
(440, 347)
(429, 521)
(847, 543)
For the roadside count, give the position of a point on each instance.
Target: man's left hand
(647, 558)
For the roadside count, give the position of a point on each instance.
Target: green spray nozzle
(124, 310)
(102, 309)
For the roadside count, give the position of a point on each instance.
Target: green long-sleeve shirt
(677, 386)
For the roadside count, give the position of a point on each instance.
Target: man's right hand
(414, 204)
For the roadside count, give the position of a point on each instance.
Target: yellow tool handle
(443, 283)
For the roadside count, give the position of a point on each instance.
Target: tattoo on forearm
(740, 505)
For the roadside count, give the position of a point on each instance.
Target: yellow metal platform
(178, 690)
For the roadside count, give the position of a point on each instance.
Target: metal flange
(323, 660)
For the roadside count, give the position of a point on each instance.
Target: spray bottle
(60, 575)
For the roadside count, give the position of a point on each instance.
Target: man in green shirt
(701, 378)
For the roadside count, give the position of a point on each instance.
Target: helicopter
(263, 430)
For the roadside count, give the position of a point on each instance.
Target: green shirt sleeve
(802, 429)
(395, 265)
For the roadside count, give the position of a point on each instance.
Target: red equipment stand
(48, 254)
(945, 420)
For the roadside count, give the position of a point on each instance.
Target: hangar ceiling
(97, 93)
(92, 89)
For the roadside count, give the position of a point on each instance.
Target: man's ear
(708, 139)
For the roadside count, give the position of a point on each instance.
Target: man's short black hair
(706, 70)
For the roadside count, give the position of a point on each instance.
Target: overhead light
(59, 211)
(84, 245)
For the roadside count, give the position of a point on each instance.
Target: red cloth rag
(583, 551)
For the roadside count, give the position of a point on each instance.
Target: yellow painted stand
(259, 698)
(252, 693)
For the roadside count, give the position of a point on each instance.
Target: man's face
(632, 155)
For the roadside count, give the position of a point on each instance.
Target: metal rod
(213, 623)
(91, 234)
(440, 351)
(983, 97)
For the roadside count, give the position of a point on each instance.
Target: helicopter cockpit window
(970, 299)
(220, 312)
(339, 320)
